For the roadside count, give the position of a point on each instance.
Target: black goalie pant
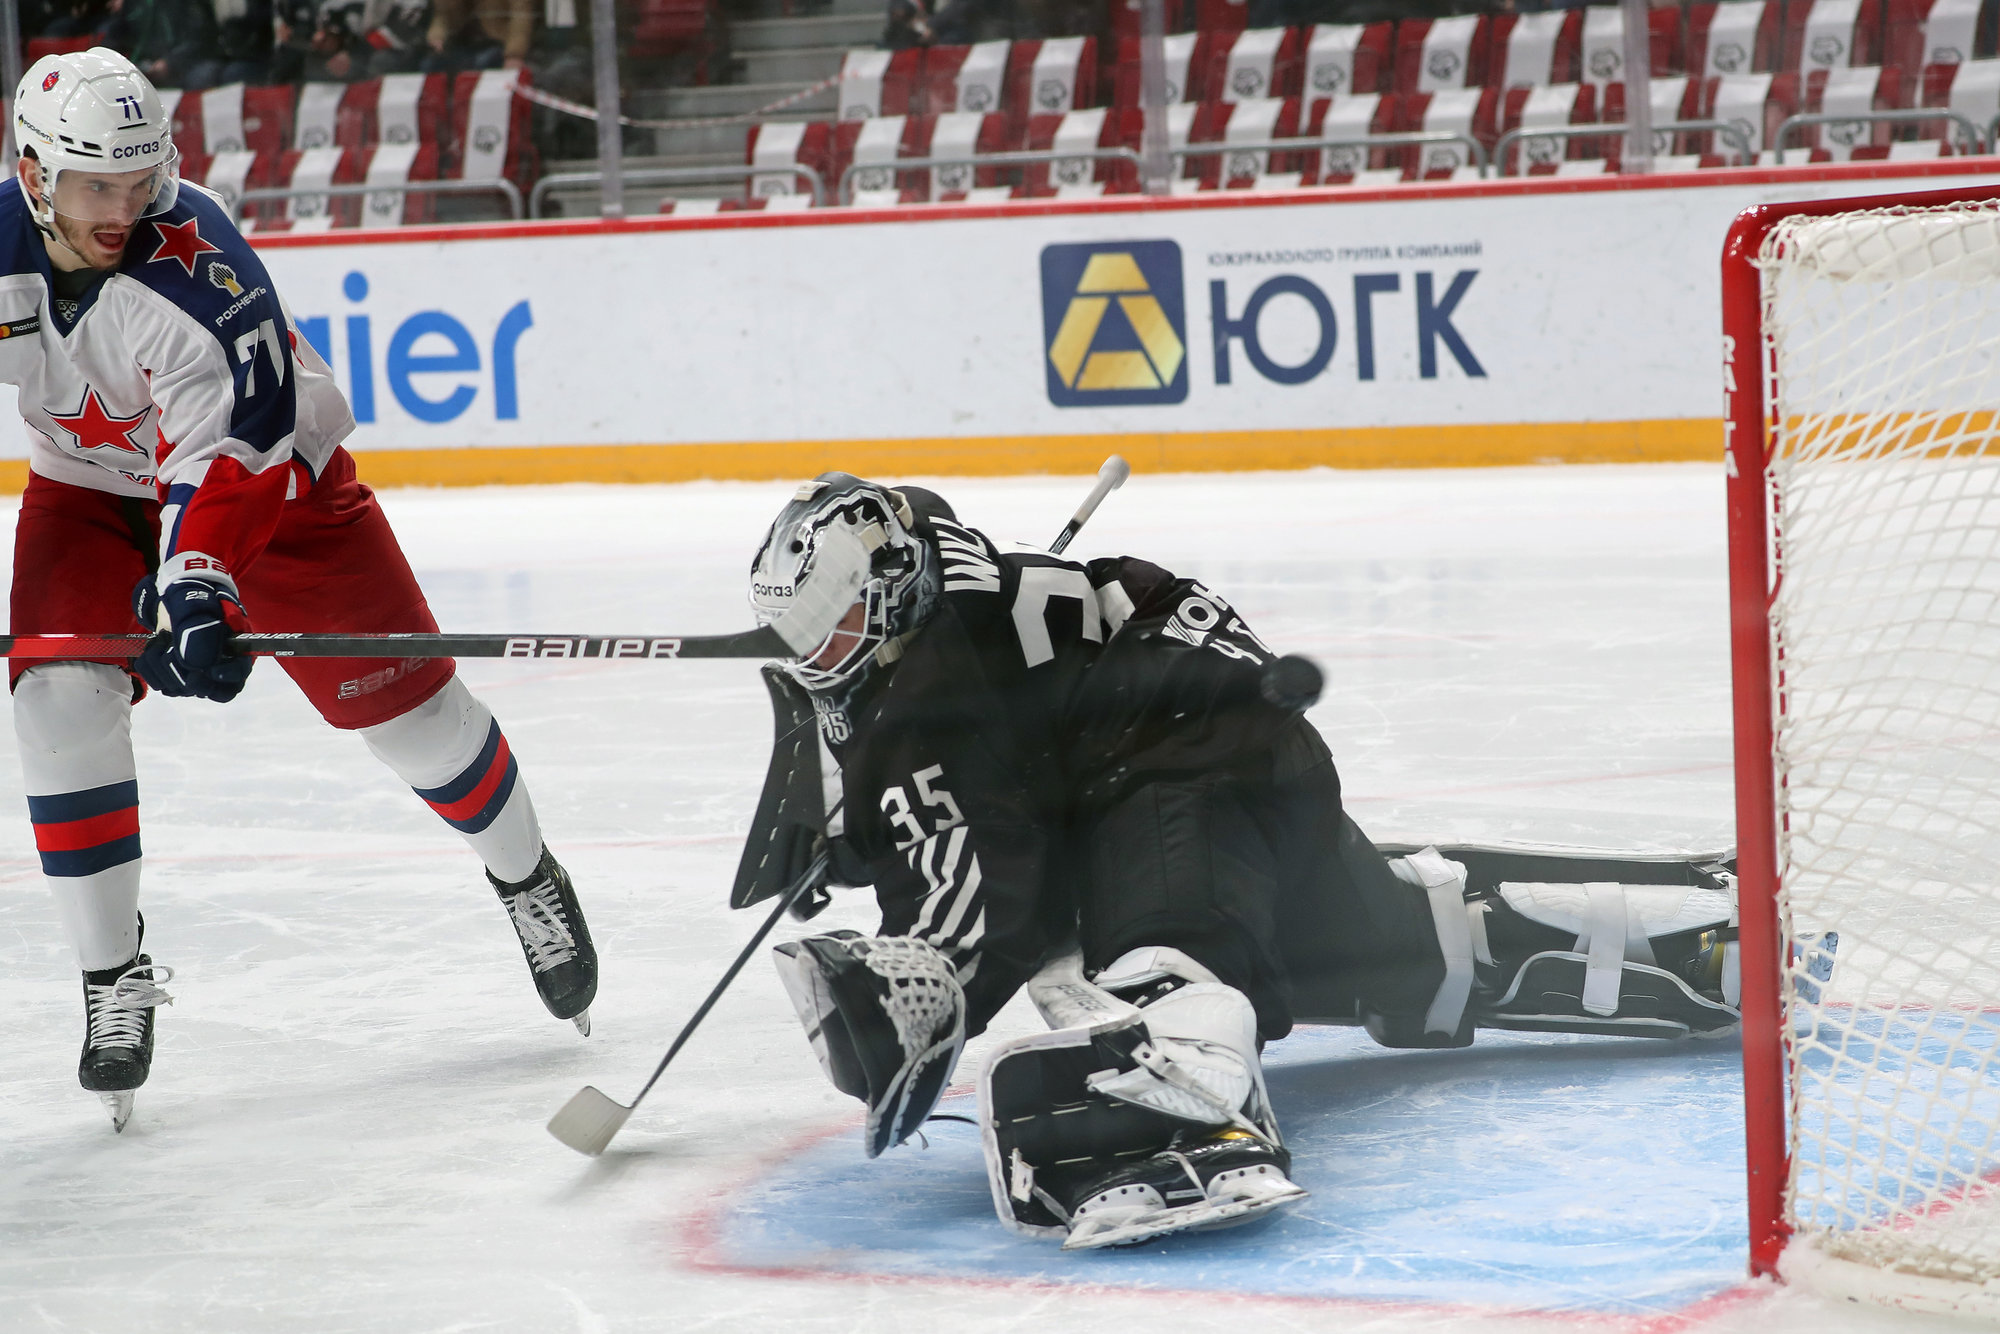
(1272, 888)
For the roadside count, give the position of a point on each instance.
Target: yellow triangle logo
(1114, 276)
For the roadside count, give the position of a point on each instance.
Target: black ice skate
(554, 939)
(118, 1008)
(1203, 1181)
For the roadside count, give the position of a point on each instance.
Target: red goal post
(1847, 484)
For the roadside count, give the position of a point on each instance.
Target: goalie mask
(898, 592)
(97, 129)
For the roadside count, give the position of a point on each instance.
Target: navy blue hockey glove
(191, 655)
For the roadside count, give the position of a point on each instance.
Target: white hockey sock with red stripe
(452, 752)
(74, 722)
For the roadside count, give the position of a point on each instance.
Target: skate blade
(1207, 1216)
(120, 1107)
(582, 1022)
(587, 1121)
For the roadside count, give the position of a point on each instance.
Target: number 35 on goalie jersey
(1039, 690)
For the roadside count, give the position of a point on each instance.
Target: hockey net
(1879, 330)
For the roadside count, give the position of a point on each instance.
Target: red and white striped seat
(1831, 34)
(1603, 44)
(1734, 37)
(1755, 103)
(1931, 32)
(302, 169)
(956, 134)
(1250, 121)
(878, 83)
(1857, 89)
(1352, 117)
(1433, 55)
(397, 164)
(871, 147)
(1553, 105)
(966, 78)
(317, 122)
(1466, 111)
(1092, 127)
(779, 145)
(1971, 88)
(1674, 98)
(1181, 70)
(1254, 63)
(490, 128)
(1343, 58)
(1534, 49)
(1050, 77)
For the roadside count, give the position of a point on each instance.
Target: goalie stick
(1110, 476)
(588, 1121)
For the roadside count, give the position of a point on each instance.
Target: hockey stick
(1110, 477)
(812, 614)
(588, 1121)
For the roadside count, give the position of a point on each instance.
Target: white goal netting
(1884, 332)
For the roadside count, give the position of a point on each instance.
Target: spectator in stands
(480, 34)
(338, 40)
(65, 18)
(173, 41)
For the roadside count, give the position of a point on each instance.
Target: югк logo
(1114, 324)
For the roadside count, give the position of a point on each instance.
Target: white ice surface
(344, 1127)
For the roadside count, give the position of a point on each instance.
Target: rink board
(1593, 1176)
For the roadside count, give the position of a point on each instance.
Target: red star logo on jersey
(182, 242)
(94, 428)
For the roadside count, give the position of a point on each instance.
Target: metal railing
(499, 185)
(1480, 157)
(1023, 157)
(725, 171)
(1977, 142)
(1739, 139)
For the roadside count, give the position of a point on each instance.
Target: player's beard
(94, 243)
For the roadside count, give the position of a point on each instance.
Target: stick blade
(587, 1121)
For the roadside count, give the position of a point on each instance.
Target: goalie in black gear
(1094, 780)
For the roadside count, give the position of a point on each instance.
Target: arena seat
(1603, 44)
(1469, 111)
(1249, 121)
(964, 78)
(1343, 58)
(1254, 63)
(872, 147)
(1357, 115)
(1184, 120)
(301, 168)
(1437, 54)
(1734, 37)
(1047, 78)
(1674, 97)
(1971, 88)
(316, 120)
(1922, 33)
(395, 164)
(1182, 71)
(778, 144)
(1537, 108)
(1125, 19)
(956, 134)
(395, 109)
(1534, 49)
(1856, 89)
(489, 129)
(37, 47)
(234, 117)
(1831, 34)
(1757, 103)
(231, 172)
(879, 83)
(1092, 127)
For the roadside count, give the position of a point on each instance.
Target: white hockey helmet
(897, 595)
(93, 113)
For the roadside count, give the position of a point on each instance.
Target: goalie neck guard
(897, 595)
(93, 113)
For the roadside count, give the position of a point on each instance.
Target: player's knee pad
(886, 1018)
(74, 723)
(432, 743)
(1646, 960)
(1153, 1048)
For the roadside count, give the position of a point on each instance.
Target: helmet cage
(897, 595)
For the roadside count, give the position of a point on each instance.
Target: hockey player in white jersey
(185, 466)
(1093, 781)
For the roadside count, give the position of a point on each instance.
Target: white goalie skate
(1220, 1181)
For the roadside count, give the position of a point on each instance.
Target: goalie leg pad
(1601, 957)
(1102, 1119)
(886, 1018)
